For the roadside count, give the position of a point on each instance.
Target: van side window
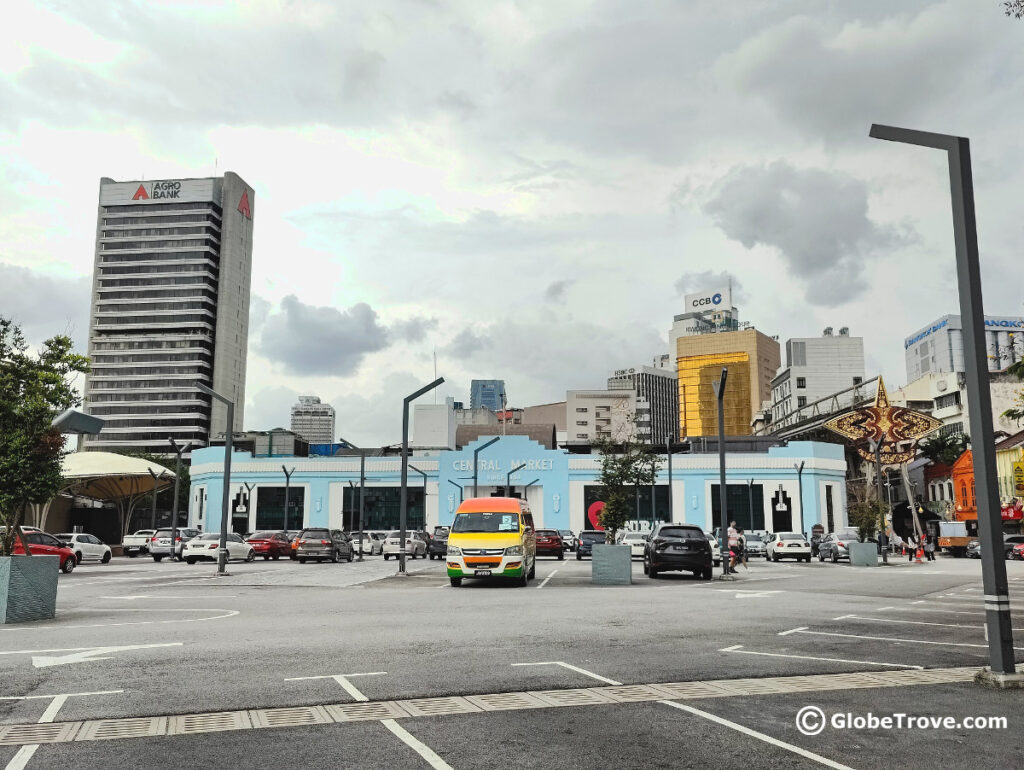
(528, 521)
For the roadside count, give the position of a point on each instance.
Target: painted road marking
(26, 752)
(755, 594)
(929, 609)
(553, 573)
(81, 654)
(342, 679)
(64, 694)
(571, 667)
(165, 596)
(227, 614)
(894, 639)
(737, 648)
(914, 622)
(755, 734)
(792, 631)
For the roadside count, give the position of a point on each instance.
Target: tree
(867, 516)
(623, 465)
(1014, 8)
(33, 390)
(945, 449)
(1017, 369)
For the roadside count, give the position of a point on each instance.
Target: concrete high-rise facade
(939, 347)
(313, 420)
(657, 405)
(817, 367)
(600, 415)
(752, 359)
(169, 308)
(487, 394)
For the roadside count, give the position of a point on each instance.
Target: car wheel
(652, 572)
(533, 570)
(132, 554)
(78, 557)
(69, 565)
(387, 556)
(251, 556)
(106, 558)
(561, 555)
(190, 561)
(775, 557)
(276, 556)
(646, 568)
(302, 559)
(707, 574)
(578, 557)
(524, 581)
(835, 557)
(335, 557)
(157, 557)
(456, 582)
(821, 556)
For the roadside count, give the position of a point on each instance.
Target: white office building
(169, 309)
(657, 401)
(313, 420)
(599, 415)
(705, 313)
(939, 346)
(816, 368)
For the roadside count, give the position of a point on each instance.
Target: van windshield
(486, 522)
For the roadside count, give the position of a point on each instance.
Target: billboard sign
(717, 299)
(156, 191)
(1018, 479)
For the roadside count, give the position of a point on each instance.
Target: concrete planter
(863, 554)
(28, 588)
(612, 565)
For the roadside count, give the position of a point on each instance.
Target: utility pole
(174, 503)
(222, 551)
(287, 489)
(404, 497)
(722, 497)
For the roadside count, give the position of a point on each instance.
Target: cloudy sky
(526, 188)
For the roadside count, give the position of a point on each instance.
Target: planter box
(612, 565)
(28, 588)
(863, 554)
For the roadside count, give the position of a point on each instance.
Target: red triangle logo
(243, 205)
(141, 194)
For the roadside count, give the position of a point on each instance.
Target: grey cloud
(310, 340)
(270, 408)
(414, 329)
(45, 305)
(703, 280)
(816, 220)
(259, 311)
(465, 344)
(556, 290)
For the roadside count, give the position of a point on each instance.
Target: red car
(270, 545)
(1017, 554)
(42, 544)
(550, 542)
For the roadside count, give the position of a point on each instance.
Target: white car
(636, 542)
(204, 548)
(716, 549)
(85, 546)
(413, 545)
(373, 542)
(788, 545)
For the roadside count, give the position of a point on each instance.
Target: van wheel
(456, 582)
(533, 570)
(525, 579)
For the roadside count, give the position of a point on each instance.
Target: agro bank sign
(717, 299)
(157, 191)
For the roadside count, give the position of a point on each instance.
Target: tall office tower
(657, 407)
(313, 420)
(489, 394)
(817, 367)
(169, 308)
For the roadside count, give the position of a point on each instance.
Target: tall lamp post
(459, 487)
(800, 490)
(476, 453)
(722, 497)
(287, 490)
(404, 498)
(362, 490)
(424, 475)
(1002, 671)
(222, 551)
(156, 479)
(178, 450)
(668, 456)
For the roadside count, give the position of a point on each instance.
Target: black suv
(680, 547)
(437, 547)
(321, 543)
(585, 544)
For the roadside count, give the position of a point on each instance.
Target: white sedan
(85, 546)
(204, 548)
(716, 549)
(413, 545)
(788, 545)
(636, 542)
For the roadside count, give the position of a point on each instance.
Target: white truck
(953, 535)
(137, 543)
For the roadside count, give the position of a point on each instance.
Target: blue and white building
(786, 488)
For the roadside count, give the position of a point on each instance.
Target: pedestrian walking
(929, 548)
(911, 547)
(734, 539)
(741, 548)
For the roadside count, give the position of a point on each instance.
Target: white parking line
(915, 622)
(26, 752)
(342, 679)
(227, 614)
(736, 648)
(545, 582)
(571, 667)
(792, 631)
(893, 639)
(929, 609)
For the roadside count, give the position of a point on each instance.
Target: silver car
(160, 543)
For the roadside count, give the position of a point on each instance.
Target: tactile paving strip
(142, 727)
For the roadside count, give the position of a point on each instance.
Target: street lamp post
(877, 449)
(156, 478)
(800, 490)
(459, 487)
(668, 455)
(287, 489)
(750, 503)
(476, 453)
(424, 475)
(508, 479)
(222, 551)
(174, 503)
(362, 491)
(723, 518)
(1002, 671)
(404, 498)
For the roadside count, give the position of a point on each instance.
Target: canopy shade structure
(107, 477)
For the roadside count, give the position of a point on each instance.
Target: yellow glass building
(752, 360)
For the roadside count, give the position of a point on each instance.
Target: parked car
(206, 546)
(815, 540)
(270, 544)
(716, 548)
(636, 542)
(293, 535)
(585, 544)
(372, 542)
(1017, 554)
(160, 542)
(679, 547)
(42, 544)
(413, 546)
(321, 543)
(568, 539)
(833, 545)
(549, 543)
(438, 545)
(973, 550)
(137, 543)
(788, 545)
(420, 534)
(85, 546)
(1009, 543)
(755, 546)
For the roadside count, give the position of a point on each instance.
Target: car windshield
(321, 533)
(486, 522)
(592, 537)
(791, 536)
(209, 536)
(680, 532)
(547, 532)
(565, 532)
(64, 537)
(634, 536)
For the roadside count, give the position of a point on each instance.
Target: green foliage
(945, 449)
(867, 517)
(623, 465)
(33, 390)
(1017, 412)
(1014, 8)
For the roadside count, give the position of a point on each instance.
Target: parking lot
(348, 664)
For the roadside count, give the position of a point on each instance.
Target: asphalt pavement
(490, 674)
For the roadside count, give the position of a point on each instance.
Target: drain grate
(112, 729)
(631, 693)
(572, 697)
(506, 701)
(47, 732)
(428, 707)
(214, 722)
(289, 717)
(759, 686)
(358, 712)
(685, 690)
